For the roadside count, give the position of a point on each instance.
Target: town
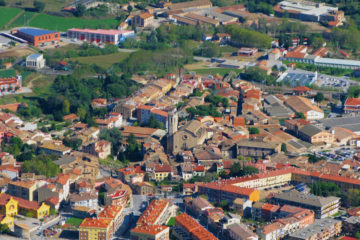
(157, 120)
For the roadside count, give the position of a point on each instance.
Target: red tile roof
(193, 227)
(95, 223)
(352, 102)
(149, 230)
(152, 212)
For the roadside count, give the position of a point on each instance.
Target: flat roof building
(320, 229)
(111, 36)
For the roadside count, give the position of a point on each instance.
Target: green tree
(73, 143)
(80, 10)
(253, 130)
(357, 235)
(133, 151)
(319, 97)
(39, 6)
(153, 123)
(42, 165)
(4, 229)
(353, 91)
(209, 49)
(301, 115)
(283, 147)
(114, 136)
(66, 107)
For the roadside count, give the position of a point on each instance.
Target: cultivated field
(6, 14)
(104, 61)
(23, 19)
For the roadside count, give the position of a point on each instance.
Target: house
(84, 199)
(294, 125)
(142, 20)
(161, 172)
(71, 117)
(11, 84)
(118, 197)
(144, 188)
(35, 61)
(239, 231)
(100, 149)
(242, 206)
(301, 91)
(352, 105)
(131, 174)
(315, 135)
(63, 182)
(269, 211)
(321, 229)
(54, 148)
(198, 205)
(304, 106)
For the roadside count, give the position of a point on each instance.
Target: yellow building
(8, 205)
(95, 229)
(43, 211)
(7, 220)
(161, 172)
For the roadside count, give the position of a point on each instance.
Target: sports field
(6, 14)
(63, 23)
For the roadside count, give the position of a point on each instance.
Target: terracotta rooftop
(149, 230)
(95, 223)
(110, 211)
(152, 212)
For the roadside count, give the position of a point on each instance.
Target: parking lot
(339, 154)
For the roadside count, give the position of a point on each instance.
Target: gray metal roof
(338, 61)
(310, 130)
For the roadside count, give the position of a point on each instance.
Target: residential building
(187, 228)
(24, 189)
(117, 198)
(352, 105)
(95, 229)
(239, 231)
(145, 112)
(131, 174)
(315, 135)
(322, 206)
(144, 188)
(11, 84)
(301, 91)
(198, 205)
(100, 149)
(54, 148)
(269, 211)
(84, 199)
(142, 20)
(294, 125)
(35, 61)
(304, 106)
(100, 35)
(161, 172)
(157, 213)
(38, 37)
(153, 232)
(321, 229)
(113, 212)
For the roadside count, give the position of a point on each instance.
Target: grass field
(104, 61)
(213, 71)
(63, 23)
(22, 20)
(50, 5)
(6, 14)
(74, 221)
